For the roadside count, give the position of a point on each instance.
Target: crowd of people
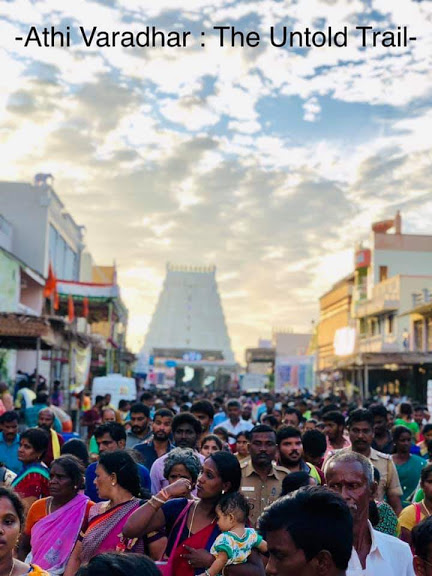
(194, 484)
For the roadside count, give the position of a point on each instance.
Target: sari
(53, 537)
(203, 539)
(33, 481)
(104, 532)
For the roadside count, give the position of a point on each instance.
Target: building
(44, 232)
(375, 350)
(187, 342)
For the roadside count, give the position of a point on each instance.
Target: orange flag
(71, 309)
(51, 283)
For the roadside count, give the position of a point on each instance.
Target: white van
(120, 388)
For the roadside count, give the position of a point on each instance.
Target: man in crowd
(308, 533)
(108, 415)
(140, 425)
(261, 478)
(148, 399)
(351, 475)
(9, 442)
(111, 437)
(360, 428)
(161, 444)
(186, 431)
(92, 417)
(204, 411)
(246, 412)
(383, 441)
(46, 422)
(235, 424)
(290, 447)
(292, 417)
(334, 423)
(266, 408)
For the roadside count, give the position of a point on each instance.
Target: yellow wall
(335, 308)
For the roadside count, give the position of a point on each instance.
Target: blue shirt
(90, 488)
(148, 453)
(9, 454)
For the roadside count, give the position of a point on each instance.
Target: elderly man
(46, 422)
(361, 433)
(351, 475)
(308, 533)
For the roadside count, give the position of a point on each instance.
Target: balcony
(380, 343)
(385, 298)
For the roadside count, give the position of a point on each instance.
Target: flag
(71, 309)
(51, 283)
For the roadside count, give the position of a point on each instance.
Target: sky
(270, 163)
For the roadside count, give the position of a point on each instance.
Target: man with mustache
(151, 450)
(290, 448)
(140, 430)
(261, 478)
(351, 475)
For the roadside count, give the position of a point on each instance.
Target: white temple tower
(189, 313)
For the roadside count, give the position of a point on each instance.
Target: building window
(390, 324)
(418, 336)
(383, 273)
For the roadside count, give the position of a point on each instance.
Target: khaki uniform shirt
(389, 479)
(260, 494)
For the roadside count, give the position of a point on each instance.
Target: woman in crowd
(381, 514)
(191, 525)
(53, 524)
(210, 444)
(223, 436)
(182, 463)
(78, 448)
(406, 418)
(11, 522)
(118, 485)
(427, 437)
(415, 513)
(33, 481)
(242, 446)
(408, 465)
(120, 565)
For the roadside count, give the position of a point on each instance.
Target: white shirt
(241, 426)
(388, 556)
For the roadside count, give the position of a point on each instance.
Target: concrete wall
(26, 208)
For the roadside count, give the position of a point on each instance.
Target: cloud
(269, 163)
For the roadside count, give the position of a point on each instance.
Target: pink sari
(53, 537)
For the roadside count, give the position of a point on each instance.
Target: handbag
(167, 569)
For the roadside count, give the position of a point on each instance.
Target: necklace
(192, 519)
(426, 508)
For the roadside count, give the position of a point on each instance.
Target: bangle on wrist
(151, 503)
(206, 572)
(158, 500)
(164, 494)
